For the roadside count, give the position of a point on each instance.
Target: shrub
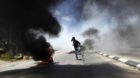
(7, 56)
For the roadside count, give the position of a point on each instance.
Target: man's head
(73, 39)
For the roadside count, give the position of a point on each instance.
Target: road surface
(94, 66)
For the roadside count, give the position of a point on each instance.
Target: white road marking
(122, 60)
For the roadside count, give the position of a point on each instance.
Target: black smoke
(38, 48)
(18, 17)
(90, 32)
(90, 36)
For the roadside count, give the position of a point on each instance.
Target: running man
(76, 45)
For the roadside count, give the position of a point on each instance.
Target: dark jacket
(76, 43)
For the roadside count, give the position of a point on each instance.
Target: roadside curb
(123, 60)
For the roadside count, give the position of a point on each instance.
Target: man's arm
(79, 43)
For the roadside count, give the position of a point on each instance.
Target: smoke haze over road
(117, 21)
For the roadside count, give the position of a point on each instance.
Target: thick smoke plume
(90, 35)
(19, 17)
(90, 32)
(125, 16)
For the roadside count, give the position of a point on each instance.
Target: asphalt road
(94, 66)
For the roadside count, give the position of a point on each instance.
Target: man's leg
(76, 56)
(76, 53)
